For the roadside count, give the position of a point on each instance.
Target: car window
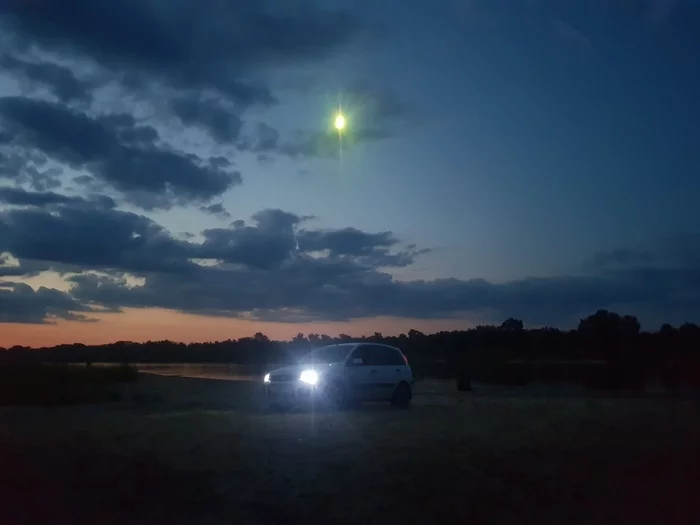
(386, 356)
(363, 352)
(327, 354)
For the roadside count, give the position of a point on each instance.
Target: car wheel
(401, 397)
(336, 396)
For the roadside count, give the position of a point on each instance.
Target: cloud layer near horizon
(278, 267)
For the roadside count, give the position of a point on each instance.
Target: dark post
(461, 366)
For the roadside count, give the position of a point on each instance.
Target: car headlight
(266, 379)
(309, 376)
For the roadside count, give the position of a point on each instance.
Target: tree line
(606, 350)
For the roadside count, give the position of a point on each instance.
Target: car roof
(359, 343)
(377, 344)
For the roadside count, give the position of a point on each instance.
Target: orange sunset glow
(156, 324)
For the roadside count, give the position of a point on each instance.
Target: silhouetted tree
(607, 349)
(261, 338)
(415, 334)
(512, 325)
(614, 335)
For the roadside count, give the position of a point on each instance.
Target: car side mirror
(356, 361)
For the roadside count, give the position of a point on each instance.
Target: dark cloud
(304, 287)
(184, 43)
(217, 210)
(222, 123)
(205, 65)
(269, 242)
(57, 131)
(27, 167)
(327, 289)
(277, 267)
(128, 130)
(90, 237)
(21, 268)
(59, 79)
(116, 149)
(21, 197)
(367, 249)
(348, 241)
(19, 303)
(277, 220)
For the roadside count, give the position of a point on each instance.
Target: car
(342, 374)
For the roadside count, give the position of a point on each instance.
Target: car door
(390, 369)
(360, 373)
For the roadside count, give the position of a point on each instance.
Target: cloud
(107, 85)
(327, 289)
(181, 44)
(367, 249)
(222, 123)
(26, 167)
(278, 267)
(268, 243)
(60, 80)
(348, 241)
(340, 288)
(217, 210)
(21, 197)
(19, 303)
(11, 267)
(83, 235)
(117, 150)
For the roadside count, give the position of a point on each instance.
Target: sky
(169, 170)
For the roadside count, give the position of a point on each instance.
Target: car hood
(299, 368)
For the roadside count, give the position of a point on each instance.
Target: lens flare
(339, 122)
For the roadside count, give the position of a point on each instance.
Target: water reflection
(204, 371)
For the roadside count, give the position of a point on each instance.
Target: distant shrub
(120, 374)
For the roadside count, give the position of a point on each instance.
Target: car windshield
(327, 354)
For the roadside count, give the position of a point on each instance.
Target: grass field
(203, 451)
(53, 385)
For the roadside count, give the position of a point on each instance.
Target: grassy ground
(207, 454)
(51, 385)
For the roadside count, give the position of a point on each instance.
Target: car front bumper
(291, 393)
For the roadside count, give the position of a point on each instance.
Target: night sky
(169, 169)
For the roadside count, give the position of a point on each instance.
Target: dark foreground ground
(202, 452)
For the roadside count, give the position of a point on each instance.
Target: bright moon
(339, 122)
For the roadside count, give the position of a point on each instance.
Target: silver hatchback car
(342, 374)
